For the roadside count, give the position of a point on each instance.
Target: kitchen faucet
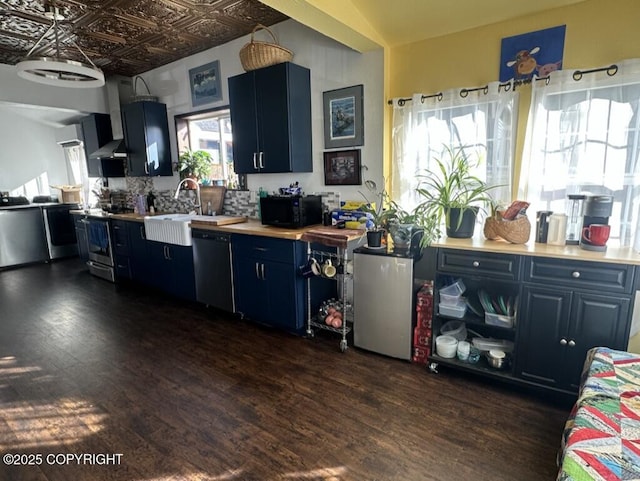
(199, 200)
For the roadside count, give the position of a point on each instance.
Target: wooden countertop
(613, 254)
(255, 227)
(98, 213)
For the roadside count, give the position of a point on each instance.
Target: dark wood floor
(185, 394)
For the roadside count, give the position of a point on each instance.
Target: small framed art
(342, 167)
(343, 117)
(205, 84)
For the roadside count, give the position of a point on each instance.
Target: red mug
(596, 234)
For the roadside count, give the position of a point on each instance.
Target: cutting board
(219, 220)
(332, 236)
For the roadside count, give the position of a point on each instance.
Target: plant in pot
(411, 229)
(380, 213)
(195, 164)
(451, 191)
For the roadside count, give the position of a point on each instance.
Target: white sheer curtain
(583, 136)
(483, 121)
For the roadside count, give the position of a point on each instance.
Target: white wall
(29, 149)
(332, 66)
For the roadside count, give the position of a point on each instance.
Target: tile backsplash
(236, 202)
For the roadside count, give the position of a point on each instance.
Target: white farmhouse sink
(169, 228)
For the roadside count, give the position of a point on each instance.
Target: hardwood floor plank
(188, 393)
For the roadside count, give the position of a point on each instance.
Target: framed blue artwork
(343, 117)
(536, 53)
(205, 84)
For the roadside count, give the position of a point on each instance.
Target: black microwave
(291, 211)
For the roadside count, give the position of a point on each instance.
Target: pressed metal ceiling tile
(128, 37)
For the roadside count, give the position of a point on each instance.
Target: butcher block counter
(255, 227)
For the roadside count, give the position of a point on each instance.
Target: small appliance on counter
(595, 222)
(291, 211)
(575, 207)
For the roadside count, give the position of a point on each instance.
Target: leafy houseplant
(194, 163)
(380, 216)
(452, 192)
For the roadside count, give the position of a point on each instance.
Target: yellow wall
(599, 32)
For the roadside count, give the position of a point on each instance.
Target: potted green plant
(380, 214)
(452, 192)
(194, 163)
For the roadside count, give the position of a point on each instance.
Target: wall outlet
(252, 196)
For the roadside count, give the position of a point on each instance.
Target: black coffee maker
(597, 209)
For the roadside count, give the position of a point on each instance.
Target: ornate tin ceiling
(128, 37)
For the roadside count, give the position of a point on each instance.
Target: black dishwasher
(212, 265)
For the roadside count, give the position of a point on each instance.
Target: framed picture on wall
(343, 117)
(205, 84)
(342, 167)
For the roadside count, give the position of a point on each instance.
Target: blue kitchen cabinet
(271, 118)
(139, 252)
(170, 268)
(121, 249)
(267, 285)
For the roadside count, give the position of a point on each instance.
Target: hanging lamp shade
(59, 71)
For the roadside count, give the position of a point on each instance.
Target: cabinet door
(283, 97)
(158, 273)
(251, 294)
(596, 320)
(543, 323)
(158, 155)
(134, 136)
(280, 284)
(273, 119)
(139, 255)
(96, 131)
(242, 103)
(182, 276)
(146, 133)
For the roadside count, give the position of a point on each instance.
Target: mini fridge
(383, 302)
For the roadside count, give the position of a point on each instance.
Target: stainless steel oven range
(100, 248)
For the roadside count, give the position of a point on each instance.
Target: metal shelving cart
(339, 239)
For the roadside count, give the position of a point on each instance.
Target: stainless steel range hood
(116, 149)
(119, 89)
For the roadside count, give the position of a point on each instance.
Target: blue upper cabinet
(146, 134)
(271, 120)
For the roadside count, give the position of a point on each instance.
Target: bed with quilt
(601, 439)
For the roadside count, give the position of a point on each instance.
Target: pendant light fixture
(59, 71)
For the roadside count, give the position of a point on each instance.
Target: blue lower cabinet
(267, 285)
(170, 268)
(139, 253)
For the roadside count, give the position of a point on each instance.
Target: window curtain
(583, 137)
(482, 121)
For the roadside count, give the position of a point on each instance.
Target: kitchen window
(210, 131)
(583, 137)
(482, 121)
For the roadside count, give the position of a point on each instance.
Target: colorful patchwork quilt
(601, 439)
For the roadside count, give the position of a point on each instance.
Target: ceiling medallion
(59, 71)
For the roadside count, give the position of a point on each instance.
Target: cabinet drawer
(120, 238)
(267, 248)
(580, 274)
(122, 267)
(486, 264)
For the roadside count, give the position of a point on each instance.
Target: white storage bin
(499, 320)
(456, 310)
